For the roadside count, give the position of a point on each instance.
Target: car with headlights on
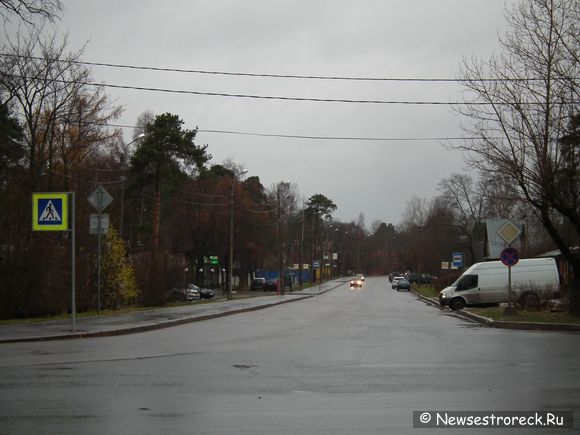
(356, 282)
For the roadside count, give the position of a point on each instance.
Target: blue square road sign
(50, 211)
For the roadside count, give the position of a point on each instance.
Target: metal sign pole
(73, 263)
(510, 299)
(99, 199)
(100, 208)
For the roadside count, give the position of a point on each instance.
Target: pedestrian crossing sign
(50, 211)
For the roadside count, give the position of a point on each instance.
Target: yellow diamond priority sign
(508, 232)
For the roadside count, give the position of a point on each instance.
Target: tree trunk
(574, 288)
(156, 218)
(574, 263)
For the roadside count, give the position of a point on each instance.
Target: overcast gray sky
(371, 38)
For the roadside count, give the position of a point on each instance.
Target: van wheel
(530, 301)
(457, 304)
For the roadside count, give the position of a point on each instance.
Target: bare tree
(64, 118)
(415, 214)
(26, 10)
(411, 228)
(521, 103)
(285, 195)
(467, 199)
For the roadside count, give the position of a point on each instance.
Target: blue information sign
(457, 260)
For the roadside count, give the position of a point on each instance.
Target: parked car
(184, 294)
(395, 281)
(393, 275)
(420, 278)
(205, 293)
(258, 284)
(192, 292)
(403, 284)
(264, 284)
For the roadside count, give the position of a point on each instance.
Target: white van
(487, 283)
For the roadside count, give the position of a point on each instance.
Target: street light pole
(231, 256)
(281, 261)
(301, 265)
(122, 180)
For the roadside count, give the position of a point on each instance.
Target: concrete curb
(504, 324)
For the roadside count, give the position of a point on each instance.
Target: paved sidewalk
(118, 324)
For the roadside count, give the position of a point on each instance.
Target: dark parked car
(403, 284)
(258, 284)
(421, 278)
(205, 293)
(264, 284)
(185, 294)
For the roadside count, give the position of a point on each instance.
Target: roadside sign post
(50, 212)
(510, 257)
(316, 267)
(508, 232)
(73, 262)
(100, 200)
(457, 260)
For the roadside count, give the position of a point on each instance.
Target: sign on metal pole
(508, 232)
(96, 227)
(509, 257)
(100, 198)
(50, 211)
(457, 260)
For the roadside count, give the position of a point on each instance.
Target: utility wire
(269, 97)
(301, 136)
(353, 138)
(267, 75)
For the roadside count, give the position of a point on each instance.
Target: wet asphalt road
(346, 362)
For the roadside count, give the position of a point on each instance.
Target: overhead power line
(353, 138)
(312, 137)
(271, 97)
(270, 75)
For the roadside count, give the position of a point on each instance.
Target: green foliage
(119, 282)
(11, 148)
(321, 205)
(219, 171)
(167, 151)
